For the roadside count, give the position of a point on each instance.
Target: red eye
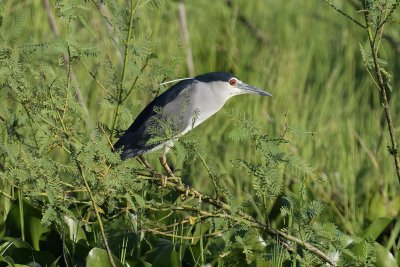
(232, 82)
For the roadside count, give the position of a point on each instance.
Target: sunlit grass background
(321, 92)
(323, 97)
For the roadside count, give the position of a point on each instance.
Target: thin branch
(239, 216)
(390, 13)
(136, 79)
(345, 14)
(103, 234)
(125, 67)
(155, 231)
(393, 148)
(213, 179)
(6, 195)
(95, 78)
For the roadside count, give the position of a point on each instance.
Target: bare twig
(186, 40)
(345, 14)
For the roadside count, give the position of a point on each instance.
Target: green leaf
(376, 228)
(376, 209)
(384, 258)
(167, 257)
(137, 263)
(27, 256)
(359, 249)
(200, 230)
(32, 221)
(13, 243)
(164, 255)
(98, 257)
(36, 229)
(8, 260)
(75, 230)
(140, 200)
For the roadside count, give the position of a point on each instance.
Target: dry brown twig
(185, 35)
(225, 211)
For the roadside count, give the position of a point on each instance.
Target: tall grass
(323, 99)
(313, 67)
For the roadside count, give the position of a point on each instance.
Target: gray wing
(165, 117)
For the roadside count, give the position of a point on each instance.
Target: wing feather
(135, 140)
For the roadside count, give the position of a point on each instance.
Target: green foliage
(64, 99)
(98, 257)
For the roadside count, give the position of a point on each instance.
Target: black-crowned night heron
(177, 111)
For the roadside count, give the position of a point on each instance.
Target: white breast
(205, 101)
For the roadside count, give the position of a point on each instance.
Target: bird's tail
(126, 151)
(130, 153)
(119, 143)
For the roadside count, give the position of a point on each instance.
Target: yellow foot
(145, 163)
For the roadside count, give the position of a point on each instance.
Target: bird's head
(228, 84)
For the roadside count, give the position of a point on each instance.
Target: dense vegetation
(306, 178)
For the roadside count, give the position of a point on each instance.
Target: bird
(177, 111)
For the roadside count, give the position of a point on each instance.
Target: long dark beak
(248, 89)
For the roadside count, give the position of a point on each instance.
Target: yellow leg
(164, 164)
(145, 163)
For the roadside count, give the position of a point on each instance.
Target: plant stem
(103, 234)
(6, 195)
(216, 187)
(381, 84)
(225, 211)
(21, 213)
(393, 149)
(127, 43)
(344, 14)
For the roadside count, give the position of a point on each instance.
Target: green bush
(309, 184)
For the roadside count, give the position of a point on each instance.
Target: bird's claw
(187, 191)
(186, 194)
